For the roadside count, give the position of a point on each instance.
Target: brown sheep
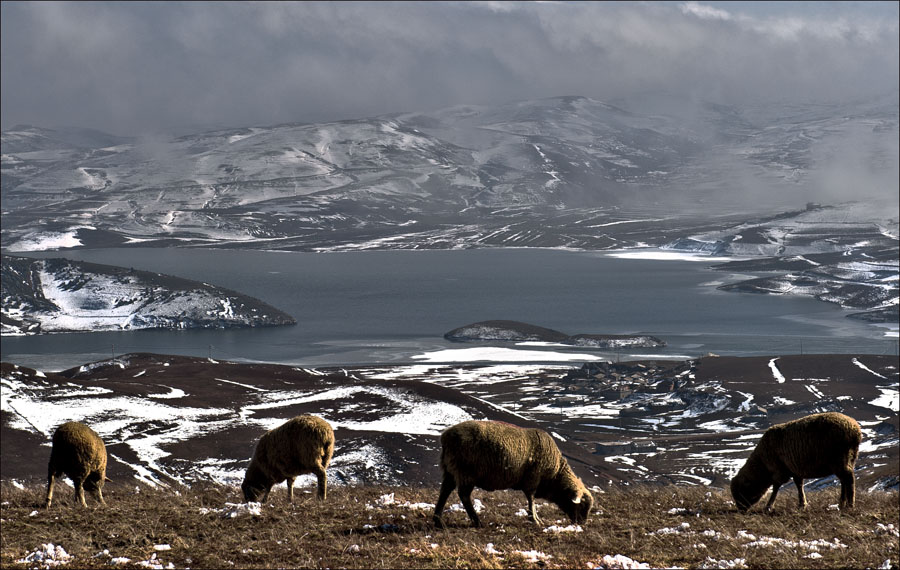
(496, 455)
(814, 446)
(79, 453)
(303, 444)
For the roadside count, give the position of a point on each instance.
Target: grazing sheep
(79, 453)
(497, 455)
(303, 444)
(814, 446)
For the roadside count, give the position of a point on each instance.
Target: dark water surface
(389, 306)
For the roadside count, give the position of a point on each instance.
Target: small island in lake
(59, 295)
(516, 331)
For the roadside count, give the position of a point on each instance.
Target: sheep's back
(817, 445)
(295, 446)
(77, 450)
(494, 455)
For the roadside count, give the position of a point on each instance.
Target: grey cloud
(141, 67)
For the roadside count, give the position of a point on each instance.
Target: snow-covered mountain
(527, 173)
(562, 172)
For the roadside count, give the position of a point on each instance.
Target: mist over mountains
(535, 173)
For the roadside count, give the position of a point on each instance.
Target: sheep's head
(576, 503)
(253, 492)
(94, 482)
(583, 504)
(746, 491)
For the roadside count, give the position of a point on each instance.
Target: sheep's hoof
(438, 522)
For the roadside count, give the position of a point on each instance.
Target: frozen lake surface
(393, 307)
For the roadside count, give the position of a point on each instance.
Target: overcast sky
(133, 68)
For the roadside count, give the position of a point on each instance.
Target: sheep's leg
(447, 486)
(290, 485)
(775, 486)
(94, 484)
(322, 477)
(465, 495)
(79, 492)
(51, 480)
(532, 510)
(848, 489)
(801, 496)
(97, 489)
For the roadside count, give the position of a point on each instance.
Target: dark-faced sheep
(497, 455)
(814, 446)
(79, 453)
(301, 445)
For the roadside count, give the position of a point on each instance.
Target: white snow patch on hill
(494, 354)
(47, 241)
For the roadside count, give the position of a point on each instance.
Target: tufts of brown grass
(663, 527)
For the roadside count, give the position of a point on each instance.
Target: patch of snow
(458, 507)
(657, 255)
(240, 384)
(560, 529)
(172, 394)
(619, 561)
(47, 556)
(723, 564)
(682, 528)
(234, 510)
(775, 372)
(533, 556)
(46, 241)
(495, 354)
(812, 545)
(866, 368)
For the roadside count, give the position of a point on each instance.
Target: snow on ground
(866, 368)
(496, 354)
(659, 255)
(890, 398)
(775, 372)
(47, 241)
(171, 394)
(118, 419)
(618, 561)
(605, 410)
(460, 376)
(403, 413)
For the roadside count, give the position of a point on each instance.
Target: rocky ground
(171, 419)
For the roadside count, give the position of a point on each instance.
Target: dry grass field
(390, 527)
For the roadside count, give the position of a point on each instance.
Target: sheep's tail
(854, 448)
(443, 462)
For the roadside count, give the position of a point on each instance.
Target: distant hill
(554, 172)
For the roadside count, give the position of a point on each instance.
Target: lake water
(380, 307)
